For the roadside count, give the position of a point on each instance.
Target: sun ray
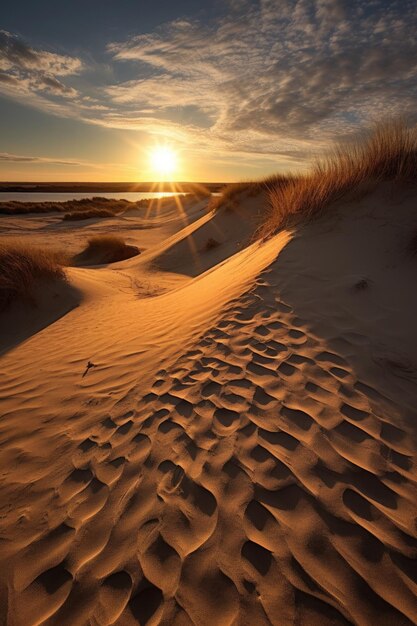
(151, 202)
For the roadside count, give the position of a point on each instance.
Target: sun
(163, 161)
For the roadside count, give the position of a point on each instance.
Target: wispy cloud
(279, 69)
(87, 166)
(15, 53)
(20, 158)
(25, 69)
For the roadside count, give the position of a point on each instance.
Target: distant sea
(27, 196)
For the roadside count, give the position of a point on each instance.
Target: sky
(238, 89)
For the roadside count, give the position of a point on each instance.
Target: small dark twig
(89, 366)
(361, 284)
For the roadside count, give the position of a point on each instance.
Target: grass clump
(387, 153)
(114, 207)
(23, 267)
(106, 249)
(15, 207)
(231, 194)
(211, 244)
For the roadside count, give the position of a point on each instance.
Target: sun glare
(163, 161)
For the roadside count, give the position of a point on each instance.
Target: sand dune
(242, 450)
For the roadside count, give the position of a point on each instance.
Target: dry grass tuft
(387, 153)
(211, 244)
(22, 267)
(231, 194)
(106, 249)
(105, 242)
(14, 207)
(84, 205)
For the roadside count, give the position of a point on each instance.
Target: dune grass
(107, 249)
(232, 193)
(14, 207)
(74, 208)
(86, 215)
(387, 152)
(105, 242)
(23, 268)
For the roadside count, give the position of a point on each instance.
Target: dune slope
(243, 449)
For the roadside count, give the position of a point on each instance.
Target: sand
(242, 451)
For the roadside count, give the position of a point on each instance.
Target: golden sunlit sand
(221, 429)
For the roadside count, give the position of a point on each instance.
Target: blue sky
(237, 88)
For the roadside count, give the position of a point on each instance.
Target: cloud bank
(267, 78)
(279, 71)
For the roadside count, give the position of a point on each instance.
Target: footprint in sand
(113, 596)
(263, 399)
(301, 419)
(87, 445)
(286, 369)
(74, 483)
(257, 556)
(211, 389)
(139, 448)
(225, 421)
(110, 471)
(145, 607)
(160, 562)
(109, 423)
(89, 502)
(352, 413)
(123, 429)
(42, 554)
(42, 599)
(172, 477)
(88, 450)
(208, 593)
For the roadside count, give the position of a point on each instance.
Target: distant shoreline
(31, 187)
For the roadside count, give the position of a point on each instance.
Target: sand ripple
(256, 481)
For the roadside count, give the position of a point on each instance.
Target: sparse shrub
(22, 267)
(86, 215)
(105, 242)
(97, 203)
(228, 195)
(70, 206)
(231, 194)
(106, 249)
